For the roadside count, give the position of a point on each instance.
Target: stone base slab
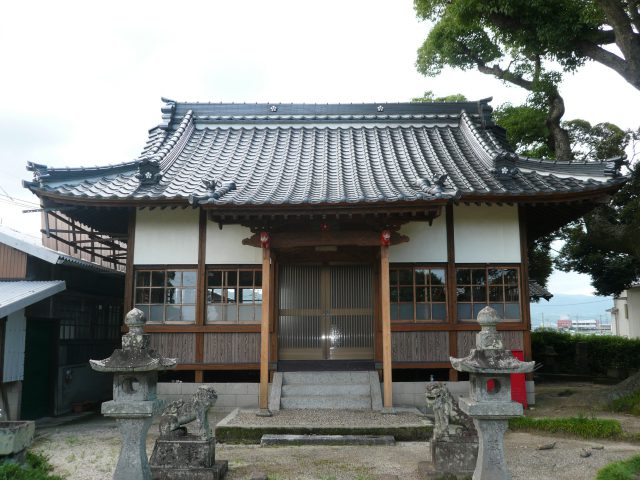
(217, 471)
(183, 453)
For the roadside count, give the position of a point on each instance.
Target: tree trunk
(558, 137)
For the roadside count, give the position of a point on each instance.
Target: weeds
(37, 467)
(621, 470)
(577, 426)
(627, 404)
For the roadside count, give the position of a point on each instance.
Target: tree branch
(627, 69)
(634, 13)
(505, 75)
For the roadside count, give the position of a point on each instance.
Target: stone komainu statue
(448, 418)
(181, 412)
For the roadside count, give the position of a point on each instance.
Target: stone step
(275, 440)
(301, 390)
(331, 402)
(316, 378)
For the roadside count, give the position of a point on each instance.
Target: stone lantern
(489, 403)
(135, 376)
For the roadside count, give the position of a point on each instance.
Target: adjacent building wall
(486, 234)
(166, 237)
(626, 319)
(13, 263)
(15, 334)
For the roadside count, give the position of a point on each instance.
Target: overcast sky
(81, 81)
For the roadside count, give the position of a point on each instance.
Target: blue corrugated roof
(20, 294)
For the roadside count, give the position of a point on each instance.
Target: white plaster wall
(15, 334)
(225, 246)
(166, 236)
(633, 302)
(426, 243)
(620, 323)
(484, 234)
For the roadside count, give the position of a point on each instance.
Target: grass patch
(627, 404)
(577, 426)
(37, 467)
(621, 470)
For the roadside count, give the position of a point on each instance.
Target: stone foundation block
(455, 460)
(184, 458)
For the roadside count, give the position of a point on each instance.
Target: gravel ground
(88, 450)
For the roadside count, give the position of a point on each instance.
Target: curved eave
(484, 197)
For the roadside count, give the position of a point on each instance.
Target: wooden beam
(386, 327)
(264, 330)
(360, 238)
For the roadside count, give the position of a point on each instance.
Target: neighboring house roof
(235, 155)
(20, 294)
(30, 245)
(537, 291)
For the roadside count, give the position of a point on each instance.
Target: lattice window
(418, 294)
(234, 295)
(497, 287)
(166, 296)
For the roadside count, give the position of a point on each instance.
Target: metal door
(326, 312)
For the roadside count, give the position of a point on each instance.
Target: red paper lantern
(385, 238)
(264, 239)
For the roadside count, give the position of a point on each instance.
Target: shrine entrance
(325, 312)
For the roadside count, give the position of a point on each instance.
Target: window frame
(427, 285)
(255, 286)
(147, 305)
(487, 302)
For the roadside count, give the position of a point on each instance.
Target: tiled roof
(325, 154)
(537, 291)
(21, 294)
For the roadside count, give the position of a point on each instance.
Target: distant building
(625, 314)
(584, 326)
(564, 323)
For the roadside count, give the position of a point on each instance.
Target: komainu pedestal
(454, 445)
(179, 455)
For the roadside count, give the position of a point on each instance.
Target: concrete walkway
(244, 426)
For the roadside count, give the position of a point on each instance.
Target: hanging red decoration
(385, 238)
(264, 239)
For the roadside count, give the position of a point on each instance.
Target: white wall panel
(427, 243)
(486, 234)
(225, 246)
(15, 334)
(633, 307)
(166, 236)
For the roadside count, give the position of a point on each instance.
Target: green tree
(569, 32)
(429, 97)
(516, 41)
(605, 243)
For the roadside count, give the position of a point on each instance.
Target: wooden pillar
(451, 291)
(201, 298)
(129, 301)
(385, 304)
(264, 326)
